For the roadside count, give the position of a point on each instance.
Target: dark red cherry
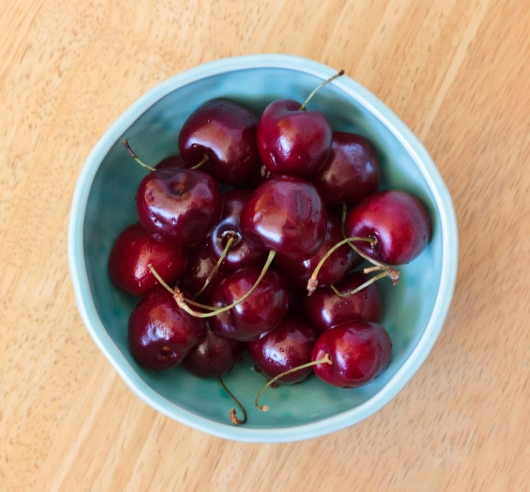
(325, 309)
(397, 220)
(259, 313)
(289, 345)
(179, 205)
(333, 269)
(213, 356)
(160, 333)
(225, 132)
(351, 173)
(285, 214)
(171, 162)
(293, 141)
(359, 352)
(132, 253)
(240, 254)
(200, 265)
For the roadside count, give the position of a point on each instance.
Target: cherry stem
(312, 283)
(233, 416)
(205, 159)
(233, 238)
(183, 303)
(135, 157)
(362, 286)
(302, 108)
(172, 291)
(325, 360)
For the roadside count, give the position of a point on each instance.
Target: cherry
(201, 263)
(240, 254)
(179, 205)
(213, 356)
(325, 309)
(289, 345)
(335, 268)
(133, 251)
(396, 219)
(285, 214)
(225, 132)
(258, 313)
(359, 352)
(292, 140)
(160, 333)
(352, 171)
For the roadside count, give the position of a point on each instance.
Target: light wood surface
(457, 72)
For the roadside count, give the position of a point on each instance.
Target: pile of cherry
(250, 237)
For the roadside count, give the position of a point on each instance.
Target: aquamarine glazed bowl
(103, 205)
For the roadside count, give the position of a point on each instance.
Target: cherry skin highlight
(325, 309)
(285, 214)
(291, 141)
(160, 334)
(397, 220)
(259, 313)
(132, 253)
(333, 270)
(225, 132)
(213, 356)
(289, 345)
(359, 352)
(178, 205)
(351, 173)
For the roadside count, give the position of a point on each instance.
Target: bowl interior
(111, 207)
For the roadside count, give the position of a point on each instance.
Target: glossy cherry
(325, 309)
(293, 141)
(179, 205)
(359, 352)
(285, 214)
(352, 171)
(333, 270)
(397, 220)
(289, 345)
(160, 333)
(213, 356)
(133, 251)
(259, 313)
(225, 132)
(240, 254)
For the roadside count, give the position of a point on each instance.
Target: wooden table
(456, 72)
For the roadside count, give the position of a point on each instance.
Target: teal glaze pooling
(103, 204)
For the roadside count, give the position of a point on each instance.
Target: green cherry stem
(233, 416)
(205, 159)
(325, 360)
(135, 157)
(331, 79)
(183, 303)
(312, 283)
(172, 291)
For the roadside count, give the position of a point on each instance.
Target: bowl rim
(360, 95)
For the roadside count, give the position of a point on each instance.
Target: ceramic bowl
(103, 205)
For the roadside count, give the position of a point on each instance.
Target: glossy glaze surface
(225, 131)
(359, 351)
(285, 214)
(352, 171)
(399, 222)
(132, 253)
(178, 205)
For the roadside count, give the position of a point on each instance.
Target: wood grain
(456, 72)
